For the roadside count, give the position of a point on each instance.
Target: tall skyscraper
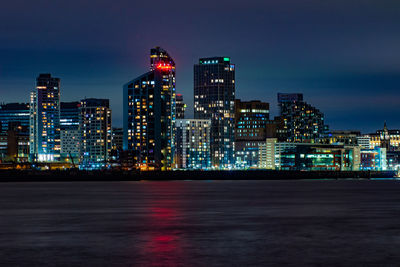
(214, 99)
(302, 122)
(45, 119)
(149, 114)
(180, 107)
(95, 131)
(192, 144)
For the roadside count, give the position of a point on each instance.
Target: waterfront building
(308, 156)
(302, 122)
(390, 139)
(14, 144)
(14, 112)
(373, 159)
(33, 148)
(251, 120)
(344, 137)
(69, 115)
(192, 144)
(45, 119)
(364, 141)
(116, 143)
(180, 107)
(214, 99)
(267, 154)
(69, 132)
(149, 114)
(95, 131)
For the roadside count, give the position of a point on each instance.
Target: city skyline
(341, 55)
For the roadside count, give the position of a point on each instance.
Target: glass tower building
(45, 119)
(214, 99)
(149, 114)
(95, 131)
(13, 112)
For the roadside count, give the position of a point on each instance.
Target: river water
(200, 223)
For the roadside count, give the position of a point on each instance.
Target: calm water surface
(198, 223)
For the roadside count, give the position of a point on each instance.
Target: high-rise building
(95, 131)
(69, 115)
(214, 99)
(302, 122)
(192, 144)
(251, 120)
(33, 146)
(45, 119)
(70, 133)
(180, 107)
(149, 114)
(14, 112)
(117, 140)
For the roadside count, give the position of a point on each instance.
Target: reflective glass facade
(149, 114)
(214, 99)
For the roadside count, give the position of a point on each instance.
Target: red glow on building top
(164, 66)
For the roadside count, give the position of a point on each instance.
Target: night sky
(343, 55)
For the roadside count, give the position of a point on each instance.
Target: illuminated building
(116, 143)
(364, 141)
(70, 133)
(214, 99)
(302, 122)
(307, 156)
(45, 119)
(373, 159)
(69, 115)
(180, 107)
(251, 120)
(95, 131)
(346, 137)
(14, 144)
(33, 127)
(390, 139)
(267, 154)
(149, 114)
(13, 112)
(192, 144)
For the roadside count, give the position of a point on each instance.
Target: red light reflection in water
(163, 240)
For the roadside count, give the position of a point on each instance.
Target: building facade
(302, 122)
(180, 107)
(310, 157)
(149, 114)
(95, 133)
(70, 132)
(251, 121)
(192, 144)
(214, 99)
(14, 112)
(45, 119)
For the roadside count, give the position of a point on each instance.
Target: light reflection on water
(194, 223)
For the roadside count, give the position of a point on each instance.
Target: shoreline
(78, 175)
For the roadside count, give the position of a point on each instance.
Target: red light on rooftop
(164, 66)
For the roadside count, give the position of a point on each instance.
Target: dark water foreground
(200, 223)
